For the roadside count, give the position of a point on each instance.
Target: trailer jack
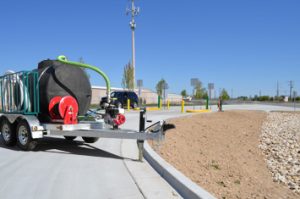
(160, 128)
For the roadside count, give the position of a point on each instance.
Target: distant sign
(194, 82)
(165, 86)
(140, 83)
(211, 86)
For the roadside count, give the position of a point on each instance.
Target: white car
(188, 98)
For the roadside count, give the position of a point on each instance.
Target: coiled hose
(15, 84)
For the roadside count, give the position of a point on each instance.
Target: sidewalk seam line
(134, 180)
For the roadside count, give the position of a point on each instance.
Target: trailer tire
(24, 138)
(90, 139)
(8, 133)
(70, 138)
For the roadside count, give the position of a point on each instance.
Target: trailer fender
(35, 126)
(33, 122)
(14, 119)
(10, 117)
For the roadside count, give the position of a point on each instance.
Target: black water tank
(58, 79)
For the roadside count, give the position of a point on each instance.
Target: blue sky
(243, 45)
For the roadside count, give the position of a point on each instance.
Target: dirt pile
(219, 151)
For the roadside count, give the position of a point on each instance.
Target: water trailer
(54, 100)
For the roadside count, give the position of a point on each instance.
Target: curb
(198, 111)
(147, 108)
(183, 185)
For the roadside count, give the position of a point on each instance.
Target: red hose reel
(63, 109)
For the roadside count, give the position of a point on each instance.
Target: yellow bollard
(182, 106)
(128, 104)
(168, 104)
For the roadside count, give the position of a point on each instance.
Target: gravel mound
(280, 142)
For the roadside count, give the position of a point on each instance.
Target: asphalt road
(70, 170)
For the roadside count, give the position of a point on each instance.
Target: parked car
(120, 99)
(188, 99)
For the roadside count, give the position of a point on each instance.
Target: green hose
(64, 60)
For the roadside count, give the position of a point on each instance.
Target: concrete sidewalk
(149, 182)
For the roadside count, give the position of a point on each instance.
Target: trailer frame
(95, 129)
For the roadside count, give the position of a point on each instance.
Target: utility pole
(295, 95)
(277, 91)
(291, 84)
(134, 11)
(211, 87)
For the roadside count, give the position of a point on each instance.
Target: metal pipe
(133, 57)
(133, 40)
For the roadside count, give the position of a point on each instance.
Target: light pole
(291, 84)
(139, 83)
(134, 11)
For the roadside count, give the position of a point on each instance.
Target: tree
(160, 86)
(255, 98)
(183, 93)
(200, 91)
(224, 95)
(264, 98)
(205, 94)
(244, 98)
(127, 81)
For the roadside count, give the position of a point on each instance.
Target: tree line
(266, 98)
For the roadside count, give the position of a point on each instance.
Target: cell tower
(133, 11)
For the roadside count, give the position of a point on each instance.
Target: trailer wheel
(90, 139)
(8, 133)
(70, 138)
(24, 138)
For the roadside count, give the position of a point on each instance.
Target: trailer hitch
(159, 128)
